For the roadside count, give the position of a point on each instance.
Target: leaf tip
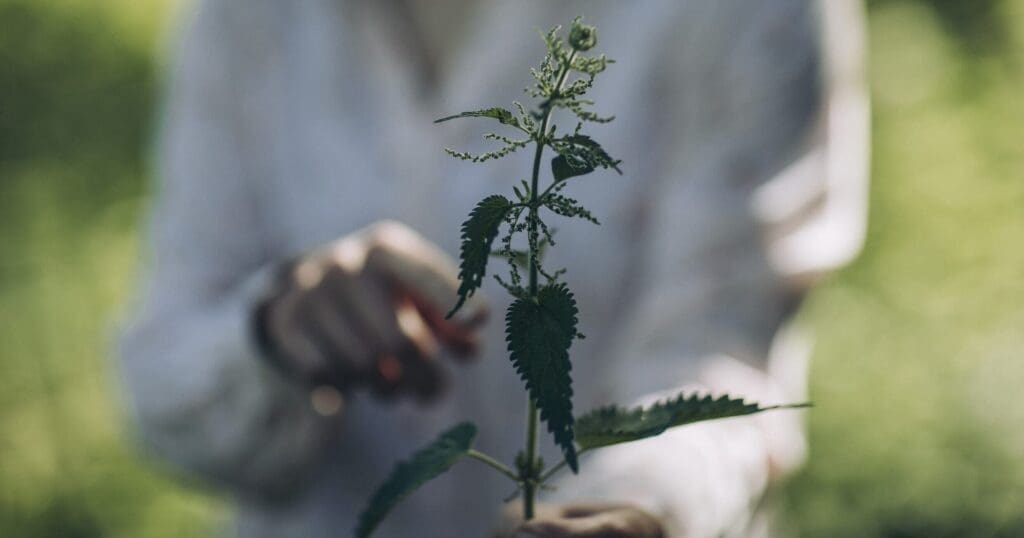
(801, 405)
(408, 475)
(455, 308)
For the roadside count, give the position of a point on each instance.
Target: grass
(916, 426)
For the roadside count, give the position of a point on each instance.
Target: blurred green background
(917, 375)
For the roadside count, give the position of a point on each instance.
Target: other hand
(369, 310)
(586, 520)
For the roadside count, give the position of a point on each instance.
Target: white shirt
(290, 124)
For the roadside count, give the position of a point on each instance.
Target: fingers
(348, 349)
(422, 270)
(305, 354)
(593, 526)
(423, 372)
(463, 343)
(510, 519)
(402, 349)
(589, 508)
(417, 269)
(594, 520)
(369, 309)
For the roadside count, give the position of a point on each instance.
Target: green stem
(505, 470)
(547, 190)
(529, 486)
(530, 481)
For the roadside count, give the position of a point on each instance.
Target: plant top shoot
(541, 322)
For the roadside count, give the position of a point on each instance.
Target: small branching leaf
(502, 115)
(425, 465)
(539, 335)
(566, 166)
(585, 149)
(568, 207)
(613, 425)
(577, 107)
(478, 233)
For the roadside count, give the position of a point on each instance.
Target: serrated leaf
(564, 167)
(613, 425)
(502, 115)
(478, 233)
(425, 465)
(539, 335)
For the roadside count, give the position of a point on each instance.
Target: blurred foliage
(979, 26)
(917, 429)
(916, 379)
(76, 99)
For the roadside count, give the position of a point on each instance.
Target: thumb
(421, 269)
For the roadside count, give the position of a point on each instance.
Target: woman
(305, 207)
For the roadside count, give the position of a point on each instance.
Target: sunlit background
(918, 375)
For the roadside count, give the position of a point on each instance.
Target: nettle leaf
(613, 425)
(502, 115)
(478, 233)
(566, 166)
(539, 335)
(425, 465)
(585, 149)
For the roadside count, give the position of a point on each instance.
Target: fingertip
(458, 333)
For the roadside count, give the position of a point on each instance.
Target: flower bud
(582, 37)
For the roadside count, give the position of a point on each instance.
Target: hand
(587, 520)
(369, 310)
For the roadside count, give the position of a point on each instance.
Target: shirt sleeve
(762, 193)
(201, 394)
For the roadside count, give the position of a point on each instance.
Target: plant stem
(493, 463)
(529, 487)
(530, 481)
(547, 190)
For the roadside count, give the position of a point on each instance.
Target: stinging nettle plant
(540, 324)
